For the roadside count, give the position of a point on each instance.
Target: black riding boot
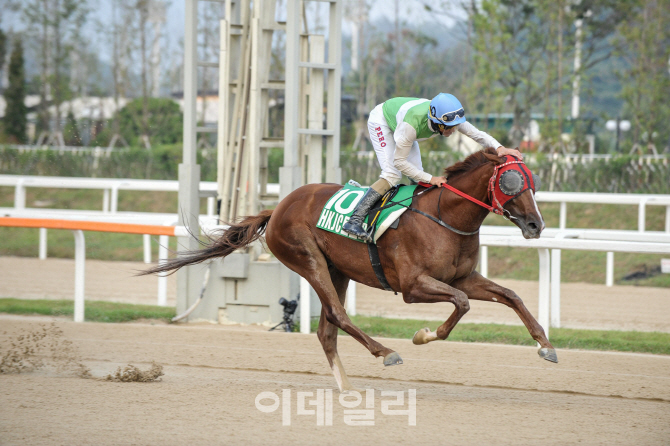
(355, 224)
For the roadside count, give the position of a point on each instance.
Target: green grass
(562, 338)
(623, 341)
(94, 311)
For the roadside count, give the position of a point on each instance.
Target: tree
(121, 51)
(3, 53)
(645, 44)
(139, 15)
(71, 131)
(511, 44)
(521, 49)
(15, 120)
(55, 25)
(165, 121)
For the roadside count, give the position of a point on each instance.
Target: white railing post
(351, 298)
(641, 215)
(484, 261)
(79, 274)
(556, 288)
(20, 195)
(544, 282)
(43, 243)
(114, 205)
(609, 272)
(146, 239)
(667, 219)
(555, 294)
(105, 201)
(305, 297)
(563, 217)
(211, 208)
(162, 277)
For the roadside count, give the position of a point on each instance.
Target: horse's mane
(470, 163)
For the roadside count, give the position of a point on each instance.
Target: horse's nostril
(532, 226)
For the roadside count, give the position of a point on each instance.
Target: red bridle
(495, 194)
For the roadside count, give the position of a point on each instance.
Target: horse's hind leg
(301, 253)
(478, 287)
(327, 334)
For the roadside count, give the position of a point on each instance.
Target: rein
(438, 220)
(498, 209)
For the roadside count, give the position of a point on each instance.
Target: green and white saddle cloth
(339, 208)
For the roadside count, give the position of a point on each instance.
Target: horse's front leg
(426, 289)
(478, 287)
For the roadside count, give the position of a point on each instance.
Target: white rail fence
(110, 198)
(111, 188)
(639, 200)
(640, 241)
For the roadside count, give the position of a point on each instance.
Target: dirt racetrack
(465, 393)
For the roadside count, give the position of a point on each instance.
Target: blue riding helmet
(446, 110)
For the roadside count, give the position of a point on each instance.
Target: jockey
(396, 127)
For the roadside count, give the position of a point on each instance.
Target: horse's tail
(235, 237)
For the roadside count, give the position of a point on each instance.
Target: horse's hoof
(421, 336)
(392, 359)
(548, 353)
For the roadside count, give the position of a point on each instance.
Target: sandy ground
(465, 393)
(582, 305)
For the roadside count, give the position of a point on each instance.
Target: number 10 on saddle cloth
(340, 206)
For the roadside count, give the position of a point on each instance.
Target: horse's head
(507, 183)
(512, 190)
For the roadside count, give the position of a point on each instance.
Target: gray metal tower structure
(238, 289)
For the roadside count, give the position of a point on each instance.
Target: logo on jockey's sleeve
(380, 136)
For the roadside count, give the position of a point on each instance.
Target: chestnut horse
(423, 261)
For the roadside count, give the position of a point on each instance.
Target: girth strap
(373, 252)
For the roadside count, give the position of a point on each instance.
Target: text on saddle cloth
(339, 208)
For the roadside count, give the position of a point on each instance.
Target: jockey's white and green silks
(339, 208)
(396, 127)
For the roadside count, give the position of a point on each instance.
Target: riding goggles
(448, 117)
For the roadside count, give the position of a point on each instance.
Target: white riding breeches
(384, 145)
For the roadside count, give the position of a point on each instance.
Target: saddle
(384, 215)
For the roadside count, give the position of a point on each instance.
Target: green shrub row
(621, 174)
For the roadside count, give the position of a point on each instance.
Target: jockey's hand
(505, 151)
(437, 181)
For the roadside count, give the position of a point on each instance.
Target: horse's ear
(494, 158)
